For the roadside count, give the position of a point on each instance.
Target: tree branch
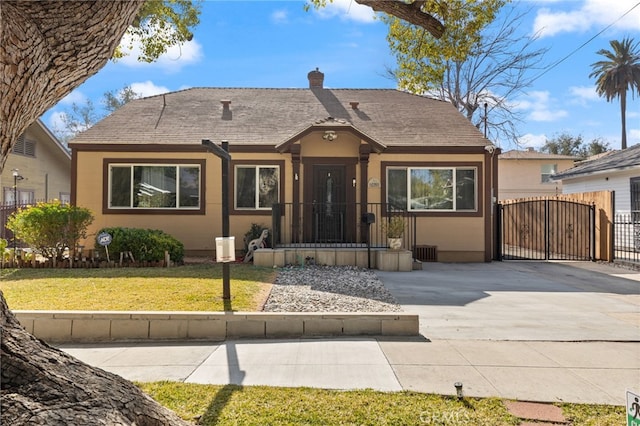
(410, 12)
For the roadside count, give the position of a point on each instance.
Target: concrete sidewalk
(587, 372)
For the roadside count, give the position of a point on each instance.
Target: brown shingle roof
(272, 116)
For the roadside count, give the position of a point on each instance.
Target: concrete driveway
(533, 301)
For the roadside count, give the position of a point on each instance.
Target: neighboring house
(524, 174)
(42, 169)
(314, 159)
(43, 165)
(617, 171)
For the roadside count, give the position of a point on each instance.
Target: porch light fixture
(353, 182)
(330, 135)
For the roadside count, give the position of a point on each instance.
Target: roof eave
(561, 176)
(55, 140)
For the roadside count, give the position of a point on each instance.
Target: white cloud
(75, 97)
(280, 16)
(56, 121)
(584, 94)
(172, 60)
(347, 10)
(538, 106)
(147, 88)
(586, 15)
(532, 141)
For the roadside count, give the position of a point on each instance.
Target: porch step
(383, 259)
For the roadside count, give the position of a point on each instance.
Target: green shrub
(146, 245)
(49, 228)
(3, 248)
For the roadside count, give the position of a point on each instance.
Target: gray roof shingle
(272, 116)
(618, 160)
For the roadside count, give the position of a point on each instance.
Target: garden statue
(256, 244)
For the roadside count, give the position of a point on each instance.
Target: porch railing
(337, 225)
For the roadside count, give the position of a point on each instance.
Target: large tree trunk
(48, 48)
(43, 385)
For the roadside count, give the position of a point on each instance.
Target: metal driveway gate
(546, 230)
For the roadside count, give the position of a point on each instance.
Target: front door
(329, 207)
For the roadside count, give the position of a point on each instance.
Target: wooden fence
(604, 220)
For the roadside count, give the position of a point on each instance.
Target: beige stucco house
(529, 173)
(43, 165)
(306, 163)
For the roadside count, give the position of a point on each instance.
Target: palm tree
(619, 73)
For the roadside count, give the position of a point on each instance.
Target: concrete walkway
(587, 372)
(529, 331)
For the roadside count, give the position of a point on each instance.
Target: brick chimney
(316, 79)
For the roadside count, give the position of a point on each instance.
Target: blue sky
(276, 43)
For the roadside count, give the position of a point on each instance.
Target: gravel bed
(329, 289)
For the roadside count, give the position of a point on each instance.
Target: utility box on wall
(225, 249)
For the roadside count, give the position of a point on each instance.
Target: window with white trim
(256, 187)
(154, 186)
(547, 171)
(432, 188)
(65, 198)
(24, 196)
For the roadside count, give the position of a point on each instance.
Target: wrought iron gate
(546, 230)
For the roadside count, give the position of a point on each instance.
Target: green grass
(183, 288)
(594, 415)
(262, 405)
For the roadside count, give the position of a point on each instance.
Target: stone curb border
(110, 326)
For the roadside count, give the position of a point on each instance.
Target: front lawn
(262, 405)
(182, 288)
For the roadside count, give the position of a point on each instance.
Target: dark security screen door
(329, 203)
